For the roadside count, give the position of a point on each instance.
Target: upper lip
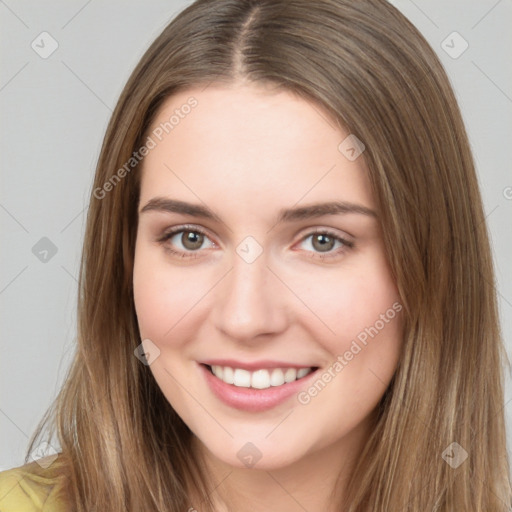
(254, 365)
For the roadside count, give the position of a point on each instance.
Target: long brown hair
(123, 446)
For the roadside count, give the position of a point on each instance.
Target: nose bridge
(248, 302)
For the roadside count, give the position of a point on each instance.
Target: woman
(285, 299)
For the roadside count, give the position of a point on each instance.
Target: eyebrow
(163, 204)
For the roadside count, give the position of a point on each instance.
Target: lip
(254, 365)
(250, 399)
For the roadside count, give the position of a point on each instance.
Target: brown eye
(185, 241)
(323, 242)
(192, 240)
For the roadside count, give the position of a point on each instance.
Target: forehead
(235, 142)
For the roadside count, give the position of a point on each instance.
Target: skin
(246, 151)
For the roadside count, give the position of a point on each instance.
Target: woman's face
(259, 257)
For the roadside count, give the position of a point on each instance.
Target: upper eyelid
(188, 227)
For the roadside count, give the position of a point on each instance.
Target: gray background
(54, 112)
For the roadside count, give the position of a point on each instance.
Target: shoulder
(39, 486)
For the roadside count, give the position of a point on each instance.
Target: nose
(250, 301)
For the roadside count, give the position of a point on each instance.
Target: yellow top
(33, 488)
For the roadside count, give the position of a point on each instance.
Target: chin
(258, 454)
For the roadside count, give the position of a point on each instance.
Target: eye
(187, 242)
(187, 239)
(322, 242)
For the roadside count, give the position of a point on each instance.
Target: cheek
(168, 298)
(358, 306)
(163, 294)
(164, 301)
(368, 309)
(365, 314)
(368, 326)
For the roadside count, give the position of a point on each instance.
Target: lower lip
(250, 399)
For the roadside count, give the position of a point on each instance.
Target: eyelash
(347, 244)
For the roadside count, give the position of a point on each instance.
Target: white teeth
(259, 379)
(229, 375)
(290, 375)
(277, 377)
(218, 371)
(302, 372)
(242, 378)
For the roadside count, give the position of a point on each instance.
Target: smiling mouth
(259, 379)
